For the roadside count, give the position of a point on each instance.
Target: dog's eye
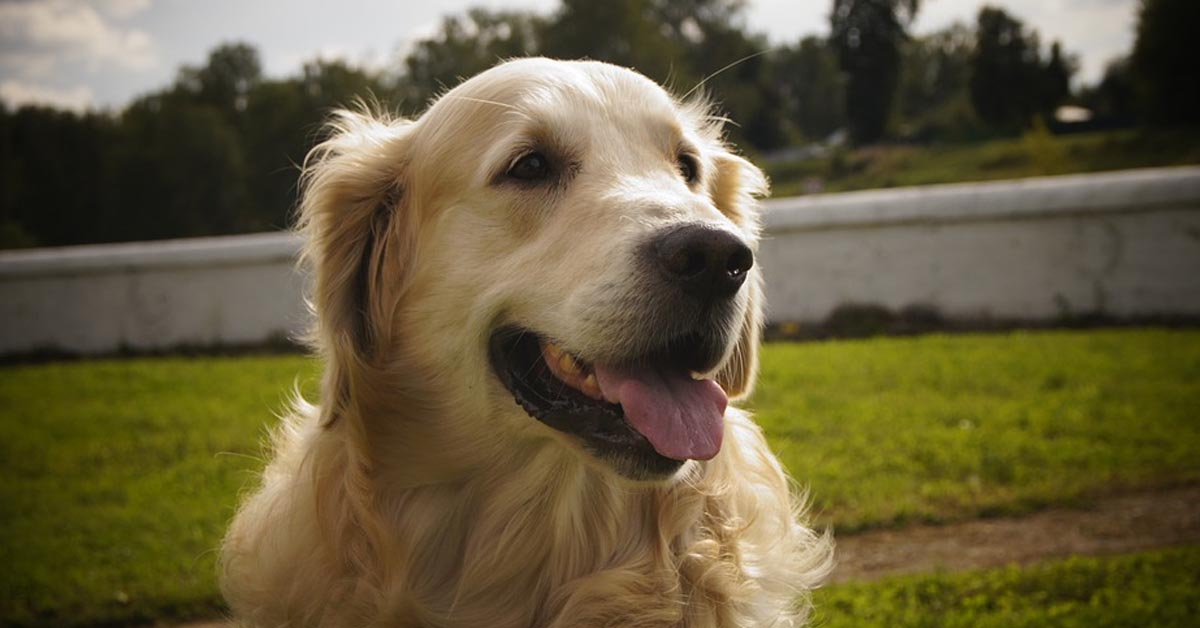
(530, 167)
(689, 168)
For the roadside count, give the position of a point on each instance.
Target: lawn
(1160, 589)
(891, 430)
(118, 477)
(1034, 154)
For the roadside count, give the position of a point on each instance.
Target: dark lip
(599, 426)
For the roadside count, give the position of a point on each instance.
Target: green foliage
(1160, 589)
(1045, 155)
(464, 46)
(901, 165)
(118, 477)
(54, 168)
(1113, 98)
(1010, 83)
(867, 36)
(178, 167)
(217, 151)
(932, 100)
(937, 428)
(811, 88)
(1165, 67)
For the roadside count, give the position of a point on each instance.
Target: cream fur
(418, 493)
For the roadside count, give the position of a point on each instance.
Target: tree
(231, 72)
(1056, 79)
(282, 122)
(932, 100)
(867, 35)
(812, 87)
(464, 46)
(54, 177)
(1165, 68)
(1010, 84)
(179, 171)
(629, 33)
(1113, 99)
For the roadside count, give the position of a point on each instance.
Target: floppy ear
(358, 233)
(736, 187)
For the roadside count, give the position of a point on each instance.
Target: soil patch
(1112, 525)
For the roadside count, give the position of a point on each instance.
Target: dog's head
(553, 249)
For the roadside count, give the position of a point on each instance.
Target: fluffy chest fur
(550, 543)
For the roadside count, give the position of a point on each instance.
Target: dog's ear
(736, 188)
(358, 226)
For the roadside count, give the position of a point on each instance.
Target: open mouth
(647, 415)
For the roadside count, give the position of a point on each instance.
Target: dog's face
(566, 251)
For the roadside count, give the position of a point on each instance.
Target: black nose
(706, 262)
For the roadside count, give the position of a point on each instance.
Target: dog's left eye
(689, 168)
(530, 167)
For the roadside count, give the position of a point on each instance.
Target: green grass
(1160, 589)
(892, 430)
(117, 478)
(1035, 154)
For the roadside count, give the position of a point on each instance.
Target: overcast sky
(101, 54)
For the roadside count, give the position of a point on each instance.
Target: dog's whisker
(731, 65)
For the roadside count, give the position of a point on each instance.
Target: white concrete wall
(1123, 244)
(1120, 244)
(151, 295)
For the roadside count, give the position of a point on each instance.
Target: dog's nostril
(706, 262)
(741, 261)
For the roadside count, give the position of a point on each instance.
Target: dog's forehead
(578, 95)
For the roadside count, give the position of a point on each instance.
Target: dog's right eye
(530, 167)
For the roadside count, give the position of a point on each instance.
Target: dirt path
(1111, 526)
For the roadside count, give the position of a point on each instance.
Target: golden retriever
(533, 303)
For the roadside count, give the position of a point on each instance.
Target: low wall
(146, 296)
(1123, 244)
(1118, 245)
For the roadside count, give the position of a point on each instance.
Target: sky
(101, 54)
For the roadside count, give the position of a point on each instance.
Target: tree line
(216, 152)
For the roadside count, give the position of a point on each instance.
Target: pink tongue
(683, 418)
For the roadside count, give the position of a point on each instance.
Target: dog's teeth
(553, 353)
(569, 365)
(591, 387)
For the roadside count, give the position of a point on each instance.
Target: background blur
(135, 119)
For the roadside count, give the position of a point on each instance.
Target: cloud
(38, 37)
(123, 8)
(16, 93)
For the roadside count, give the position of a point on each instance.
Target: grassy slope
(117, 478)
(942, 427)
(1160, 589)
(1035, 154)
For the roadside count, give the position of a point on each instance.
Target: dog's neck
(530, 525)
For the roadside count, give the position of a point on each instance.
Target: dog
(533, 303)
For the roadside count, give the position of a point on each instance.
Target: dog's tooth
(591, 387)
(569, 365)
(552, 353)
